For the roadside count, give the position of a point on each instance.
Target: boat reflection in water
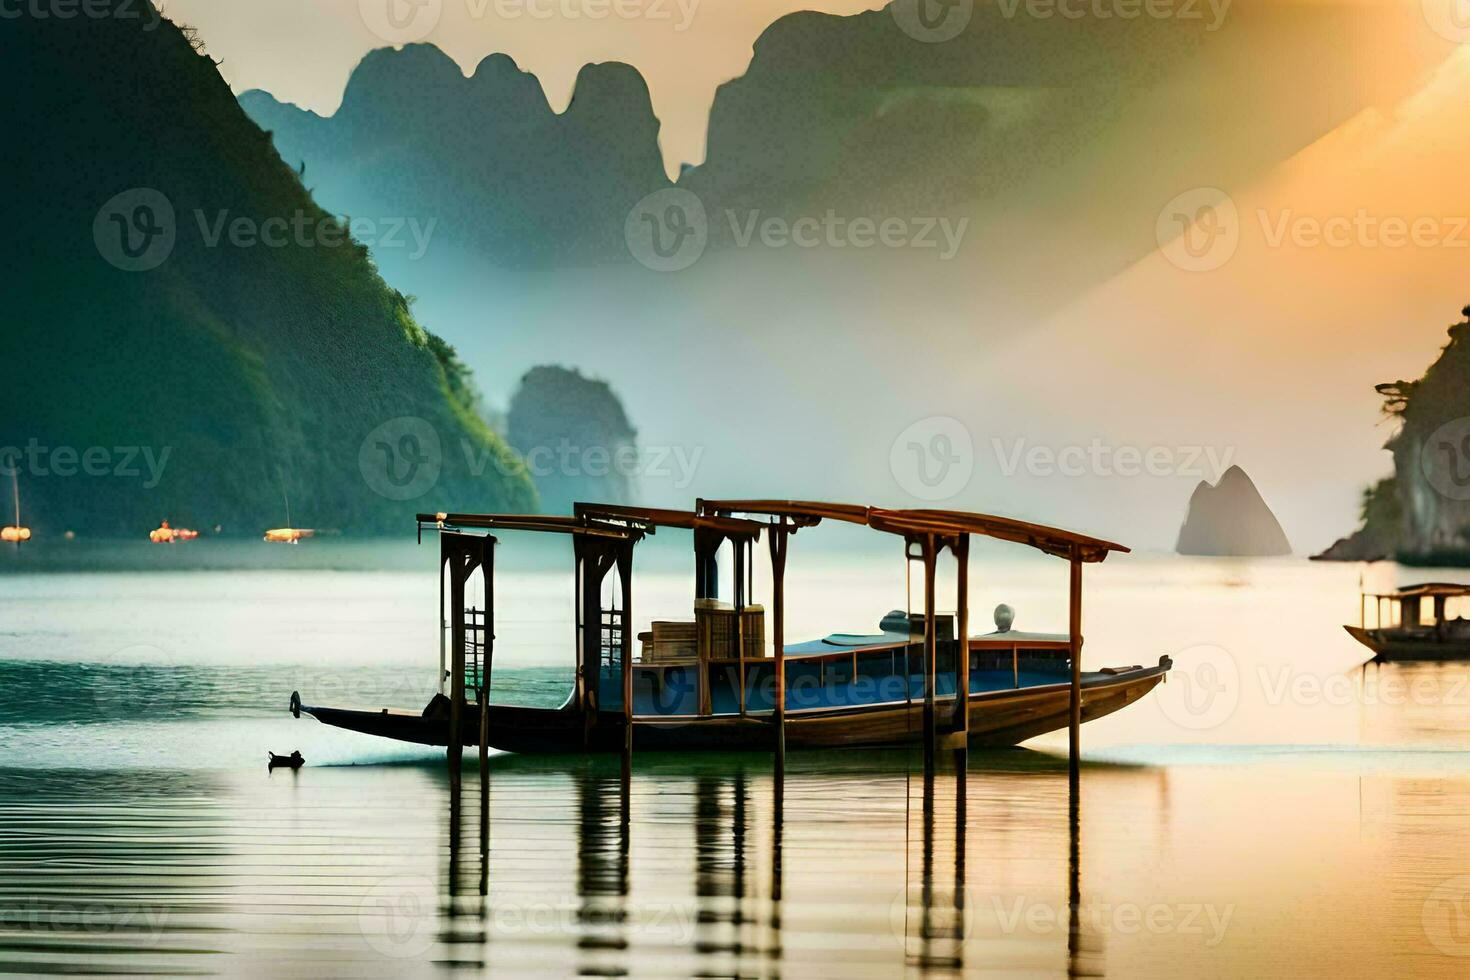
(638, 902)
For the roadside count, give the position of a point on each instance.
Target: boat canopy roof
(556, 524)
(628, 523)
(1448, 590)
(1053, 541)
(597, 520)
(652, 518)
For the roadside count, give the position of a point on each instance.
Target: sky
(1261, 350)
(302, 51)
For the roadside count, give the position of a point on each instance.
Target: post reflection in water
(603, 837)
(729, 822)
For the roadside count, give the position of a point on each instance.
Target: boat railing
(474, 650)
(610, 631)
(849, 665)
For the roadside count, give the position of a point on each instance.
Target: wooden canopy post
(777, 542)
(625, 576)
(740, 547)
(595, 556)
(961, 550)
(459, 556)
(931, 647)
(706, 586)
(487, 567)
(443, 623)
(454, 558)
(1074, 728)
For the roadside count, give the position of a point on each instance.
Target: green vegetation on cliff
(1421, 515)
(178, 295)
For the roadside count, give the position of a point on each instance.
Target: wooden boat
(1406, 632)
(711, 683)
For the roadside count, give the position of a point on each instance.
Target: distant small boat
(1403, 634)
(288, 535)
(163, 534)
(17, 532)
(292, 761)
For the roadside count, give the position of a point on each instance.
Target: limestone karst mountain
(1230, 518)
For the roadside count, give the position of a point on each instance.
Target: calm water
(1276, 809)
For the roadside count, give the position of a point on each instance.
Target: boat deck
(806, 687)
(839, 671)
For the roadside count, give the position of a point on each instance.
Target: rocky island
(1231, 518)
(1421, 514)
